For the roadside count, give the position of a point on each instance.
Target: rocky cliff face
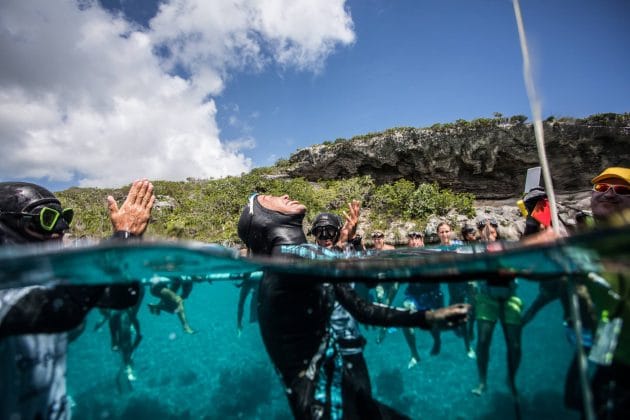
(486, 157)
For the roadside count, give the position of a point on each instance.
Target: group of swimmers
(310, 328)
(273, 226)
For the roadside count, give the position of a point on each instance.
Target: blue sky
(111, 91)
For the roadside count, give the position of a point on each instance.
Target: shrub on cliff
(404, 200)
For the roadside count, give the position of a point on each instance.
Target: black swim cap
(22, 197)
(262, 229)
(326, 226)
(327, 219)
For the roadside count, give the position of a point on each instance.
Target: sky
(99, 93)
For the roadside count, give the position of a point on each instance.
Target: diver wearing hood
(327, 229)
(294, 317)
(30, 213)
(34, 319)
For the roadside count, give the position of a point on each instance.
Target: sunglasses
(618, 189)
(415, 235)
(325, 232)
(378, 236)
(45, 218)
(483, 223)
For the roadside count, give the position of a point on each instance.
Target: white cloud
(83, 95)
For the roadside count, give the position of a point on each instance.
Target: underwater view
(215, 374)
(330, 210)
(202, 366)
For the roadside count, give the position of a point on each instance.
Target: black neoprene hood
(19, 197)
(262, 229)
(23, 196)
(327, 219)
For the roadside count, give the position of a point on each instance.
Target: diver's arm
(377, 314)
(349, 228)
(380, 315)
(43, 310)
(128, 221)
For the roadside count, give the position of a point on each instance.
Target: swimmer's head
(270, 221)
(469, 233)
(532, 198)
(326, 229)
(415, 239)
(30, 213)
(611, 193)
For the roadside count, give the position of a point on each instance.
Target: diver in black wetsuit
(125, 334)
(34, 320)
(294, 318)
(330, 233)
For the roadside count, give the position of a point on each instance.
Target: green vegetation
(208, 210)
(404, 200)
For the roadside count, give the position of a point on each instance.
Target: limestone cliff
(488, 157)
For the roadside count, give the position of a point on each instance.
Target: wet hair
(262, 229)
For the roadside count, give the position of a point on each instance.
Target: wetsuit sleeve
(43, 310)
(375, 314)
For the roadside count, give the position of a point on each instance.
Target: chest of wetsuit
(293, 314)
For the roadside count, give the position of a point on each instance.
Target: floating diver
(34, 320)
(166, 289)
(294, 317)
(125, 334)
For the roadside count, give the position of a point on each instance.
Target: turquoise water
(214, 374)
(217, 374)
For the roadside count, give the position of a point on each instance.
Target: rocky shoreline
(505, 212)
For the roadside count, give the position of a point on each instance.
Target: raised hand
(134, 214)
(349, 228)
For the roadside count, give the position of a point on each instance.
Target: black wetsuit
(294, 315)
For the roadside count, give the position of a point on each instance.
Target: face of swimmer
(444, 233)
(282, 204)
(415, 240)
(610, 196)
